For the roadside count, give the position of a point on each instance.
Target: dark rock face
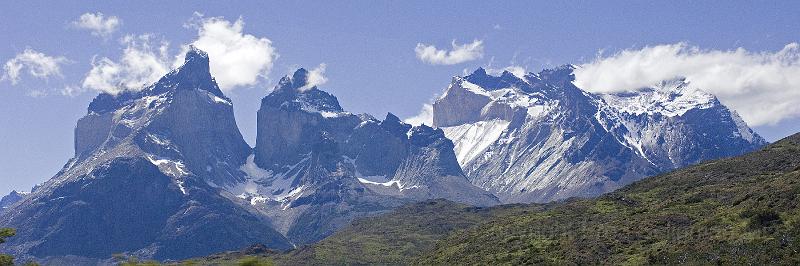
(335, 166)
(290, 122)
(435, 149)
(539, 138)
(378, 147)
(144, 178)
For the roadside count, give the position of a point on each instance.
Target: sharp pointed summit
(300, 78)
(195, 73)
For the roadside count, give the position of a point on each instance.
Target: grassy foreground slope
(741, 210)
(737, 210)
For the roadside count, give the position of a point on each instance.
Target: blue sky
(368, 49)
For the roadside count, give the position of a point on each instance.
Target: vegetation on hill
(6, 233)
(741, 210)
(736, 210)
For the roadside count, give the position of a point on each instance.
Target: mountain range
(539, 138)
(740, 210)
(164, 173)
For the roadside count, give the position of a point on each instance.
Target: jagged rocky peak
(193, 74)
(513, 137)
(464, 101)
(505, 80)
(295, 81)
(294, 92)
(424, 135)
(435, 140)
(481, 96)
(12, 197)
(196, 60)
(394, 125)
(184, 117)
(300, 78)
(563, 72)
(528, 82)
(544, 83)
(184, 114)
(293, 116)
(672, 97)
(674, 124)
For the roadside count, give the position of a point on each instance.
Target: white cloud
(98, 24)
(459, 54)
(37, 64)
(141, 63)
(425, 116)
(763, 87)
(237, 59)
(315, 77)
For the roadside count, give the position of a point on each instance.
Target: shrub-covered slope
(740, 210)
(737, 210)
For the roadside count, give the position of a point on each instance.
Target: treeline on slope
(6, 233)
(740, 210)
(5, 259)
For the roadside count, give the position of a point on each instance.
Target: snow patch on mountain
(262, 185)
(540, 138)
(669, 98)
(472, 139)
(218, 99)
(173, 168)
(742, 130)
(305, 106)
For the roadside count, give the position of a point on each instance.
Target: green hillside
(740, 210)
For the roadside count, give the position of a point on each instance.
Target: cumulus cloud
(425, 116)
(315, 77)
(763, 87)
(143, 61)
(38, 65)
(459, 53)
(98, 24)
(237, 59)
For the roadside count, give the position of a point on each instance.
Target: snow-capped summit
(669, 98)
(541, 138)
(673, 124)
